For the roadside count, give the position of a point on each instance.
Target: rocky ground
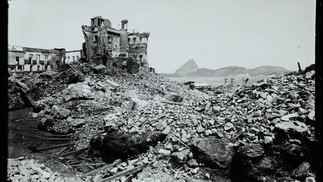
(105, 120)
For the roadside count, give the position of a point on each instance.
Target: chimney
(124, 24)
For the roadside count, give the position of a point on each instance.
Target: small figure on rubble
(232, 81)
(245, 81)
(225, 81)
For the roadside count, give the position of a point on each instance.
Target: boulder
(117, 145)
(309, 68)
(99, 69)
(15, 101)
(161, 125)
(132, 67)
(174, 97)
(17, 95)
(311, 115)
(77, 91)
(70, 75)
(301, 171)
(289, 117)
(251, 151)
(192, 163)
(292, 126)
(46, 124)
(60, 112)
(310, 74)
(213, 152)
(250, 164)
(181, 156)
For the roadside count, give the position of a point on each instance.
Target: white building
(72, 56)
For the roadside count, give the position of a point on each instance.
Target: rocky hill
(189, 67)
(267, 70)
(149, 128)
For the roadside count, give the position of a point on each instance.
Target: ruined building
(27, 59)
(103, 40)
(34, 59)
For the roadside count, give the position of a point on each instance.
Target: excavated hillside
(115, 125)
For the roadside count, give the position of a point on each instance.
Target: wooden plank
(75, 152)
(91, 164)
(116, 162)
(125, 173)
(52, 147)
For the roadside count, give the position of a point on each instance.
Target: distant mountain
(222, 72)
(267, 70)
(189, 67)
(237, 71)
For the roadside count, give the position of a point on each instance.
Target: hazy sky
(215, 33)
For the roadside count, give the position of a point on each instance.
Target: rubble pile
(262, 132)
(31, 170)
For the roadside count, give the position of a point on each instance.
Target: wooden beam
(75, 152)
(52, 147)
(125, 173)
(116, 162)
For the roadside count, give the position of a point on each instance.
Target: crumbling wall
(101, 39)
(138, 47)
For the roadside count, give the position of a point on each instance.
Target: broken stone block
(174, 97)
(291, 126)
(310, 179)
(77, 91)
(228, 126)
(200, 129)
(99, 69)
(60, 112)
(301, 171)
(289, 116)
(251, 151)
(311, 115)
(167, 130)
(118, 145)
(46, 124)
(213, 152)
(192, 163)
(15, 101)
(310, 74)
(161, 125)
(70, 75)
(164, 152)
(132, 67)
(181, 156)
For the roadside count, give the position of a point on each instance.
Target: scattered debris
(255, 132)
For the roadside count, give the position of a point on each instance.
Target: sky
(215, 33)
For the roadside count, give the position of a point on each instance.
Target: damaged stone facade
(73, 56)
(101, 39)
(34, 59)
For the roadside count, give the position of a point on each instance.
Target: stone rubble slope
(267, 129)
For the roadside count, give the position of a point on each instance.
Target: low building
(16, 58)
(34, 59)
(72, 56)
